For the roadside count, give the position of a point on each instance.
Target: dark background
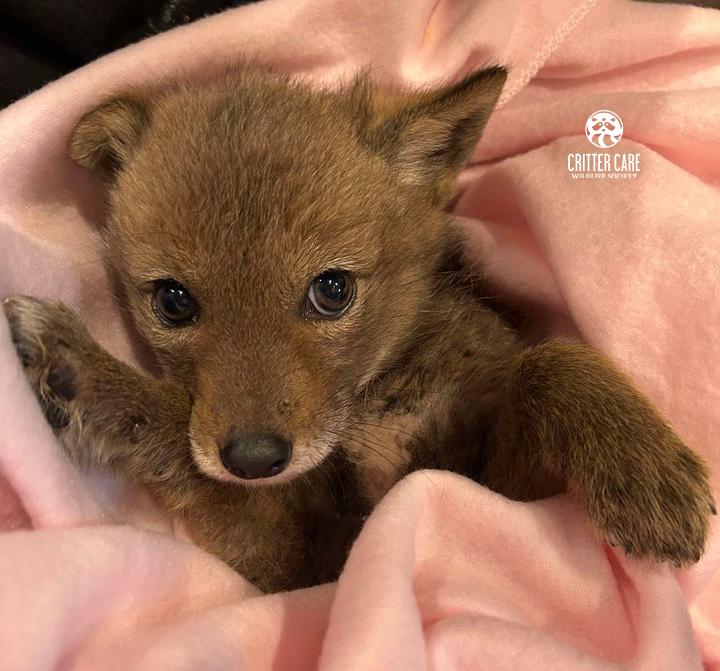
(41, 40)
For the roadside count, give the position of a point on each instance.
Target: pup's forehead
(254, 142)
(250, 213)
(212, 162)
(250, 192)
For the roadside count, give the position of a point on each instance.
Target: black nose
(256, 456)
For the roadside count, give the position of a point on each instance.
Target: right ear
(428, 136)
(106, 137)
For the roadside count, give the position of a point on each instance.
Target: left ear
(428, 137)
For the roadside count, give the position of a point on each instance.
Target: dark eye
(331, 293)
(174, 304)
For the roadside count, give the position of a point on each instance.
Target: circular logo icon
(604, 129)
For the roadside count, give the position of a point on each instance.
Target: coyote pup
(285, 253)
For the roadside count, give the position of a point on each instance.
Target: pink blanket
(446, 575)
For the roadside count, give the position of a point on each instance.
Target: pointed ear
(429, 136)
(106, 137)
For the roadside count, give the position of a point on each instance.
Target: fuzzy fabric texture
(445, 575)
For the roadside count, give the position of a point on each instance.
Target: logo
(604, 129)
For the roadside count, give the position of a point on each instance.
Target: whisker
(366, 445)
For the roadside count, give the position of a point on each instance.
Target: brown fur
(246, 189)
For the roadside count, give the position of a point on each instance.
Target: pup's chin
(209, 463)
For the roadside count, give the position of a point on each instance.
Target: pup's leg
(103, 411)
(570, 418)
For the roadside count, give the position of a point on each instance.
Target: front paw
(657, 509)
(48, 336)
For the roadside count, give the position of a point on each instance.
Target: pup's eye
(331, 293)
(174, 304)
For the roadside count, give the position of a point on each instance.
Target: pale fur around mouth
(311, 454)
